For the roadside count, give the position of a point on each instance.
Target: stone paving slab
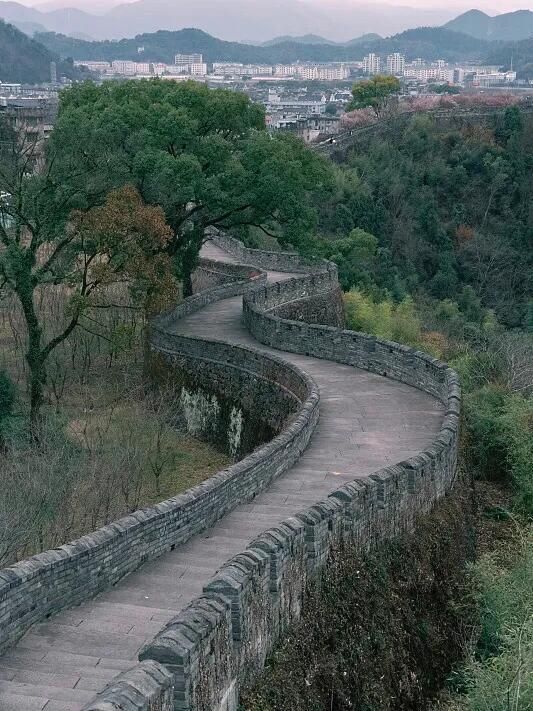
(366, 422)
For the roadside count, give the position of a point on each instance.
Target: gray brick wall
(34, 589)
(224, 636)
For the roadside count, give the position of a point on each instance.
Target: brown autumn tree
(112, 251)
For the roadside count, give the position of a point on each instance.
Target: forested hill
(520, 53)
(425, 42)
(508, 27)
(26, 61)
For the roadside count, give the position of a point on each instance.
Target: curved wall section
(273, 261)
(223, 638)
(34, 589)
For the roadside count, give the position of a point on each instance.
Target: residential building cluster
(333, 71)
(234, 69)
(195, 66)
(436, 72)
(184, 65)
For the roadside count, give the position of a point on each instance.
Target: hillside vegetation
(24, 60)
(520, 53)
(429, 43)
(450, 272)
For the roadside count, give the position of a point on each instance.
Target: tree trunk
(34, 356)
(37, 380)
(187, 283)
(189, 262)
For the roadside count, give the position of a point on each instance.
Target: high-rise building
(396, 64)
(198, 70)
(372, 64)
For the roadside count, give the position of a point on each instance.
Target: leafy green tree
(445, 89)
(203, 155)
(510, 124)
(376, 93)
(356, 257)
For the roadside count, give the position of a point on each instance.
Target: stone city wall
(221, 640)
(34, 589)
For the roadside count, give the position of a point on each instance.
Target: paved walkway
(366, 422)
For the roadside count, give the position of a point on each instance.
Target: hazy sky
(491, 6)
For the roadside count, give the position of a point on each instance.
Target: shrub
(500, 676)
(483, 410)
(385, 319)
(517, 428)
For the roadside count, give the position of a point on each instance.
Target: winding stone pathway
(366, 422)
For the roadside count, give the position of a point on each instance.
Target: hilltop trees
(202, 155)
(376, 93)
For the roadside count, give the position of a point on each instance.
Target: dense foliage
(375, 93)
(450, 210)
(202, 155)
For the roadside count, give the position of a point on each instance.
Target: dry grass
(109, 444)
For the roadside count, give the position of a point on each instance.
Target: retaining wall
(222, 639)
(34, 589)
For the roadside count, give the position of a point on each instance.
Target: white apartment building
(396, 64)
(323, 72)
(142, 68)
(285, 70)
(372, 64)
(198, 69)
(432, 74)
(97, 67)
(277, 104)
(494, 79)
(238, 69)
(313, 72)
(188, 59)
(124, 67)
(159, 68)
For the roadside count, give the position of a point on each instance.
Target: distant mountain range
(508, 27)
(28, 60)
(23, 60)
(255, 20)
(316, 39)
(427, 42)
